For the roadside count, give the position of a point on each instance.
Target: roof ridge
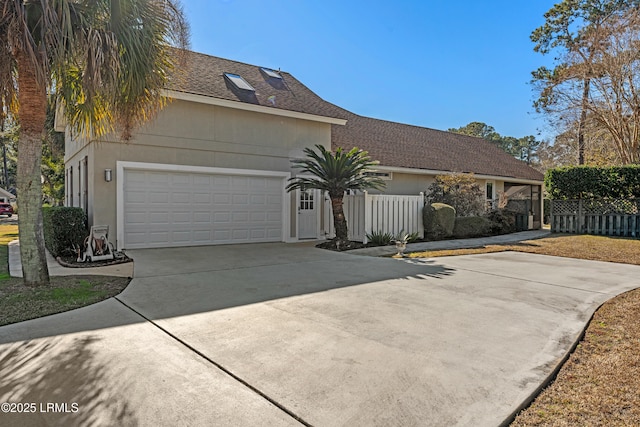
(233, 61)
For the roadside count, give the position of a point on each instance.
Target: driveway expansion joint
(534, 281)
(220, 367)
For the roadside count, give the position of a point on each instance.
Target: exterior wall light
(107, 175)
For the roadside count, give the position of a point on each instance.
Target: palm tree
(335, 174)
(104, 61)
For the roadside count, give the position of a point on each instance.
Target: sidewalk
(454, 244)
(55, 269)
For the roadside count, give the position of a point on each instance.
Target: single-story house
(212, 167)
(6, 197)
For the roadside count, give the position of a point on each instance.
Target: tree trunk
(583, 119)
(339, 221)
(32, 98)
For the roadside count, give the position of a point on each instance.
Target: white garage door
(188, 209)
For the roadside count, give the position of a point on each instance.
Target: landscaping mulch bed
(71, 262)
(332, 245)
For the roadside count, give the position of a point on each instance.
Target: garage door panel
(158, 217)
(202, 198)
(202, 217)
(180, 197)
(156, 179)
(182, 209)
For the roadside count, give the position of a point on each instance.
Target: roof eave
(210, 100)
(515, 180)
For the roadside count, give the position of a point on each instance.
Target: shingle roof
(205, 76)
(392, 144)
(407, 146)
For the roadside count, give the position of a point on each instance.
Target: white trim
(122, 165)
(437, 172)
(383, 175)
(209, 100)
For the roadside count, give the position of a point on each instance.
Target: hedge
(588, 182)
(438, 220)
(471, 226)
(64, 227)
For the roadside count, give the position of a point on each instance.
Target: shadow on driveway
(174, 282)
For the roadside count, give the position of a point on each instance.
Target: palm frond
(334, 173)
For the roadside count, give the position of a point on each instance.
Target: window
(71, 186)
(85, 184)
(306, 200)
(490, 196)
(271, 73)
(239, 82)
(490, 191)
(80, 185)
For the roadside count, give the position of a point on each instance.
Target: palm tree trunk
(32, 98)
(339, 221)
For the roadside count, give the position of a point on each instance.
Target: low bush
(438, 220)
(411, 237)
(472, 226)
(64, 228)
(459, 190)
(502, 221)
(380, 238)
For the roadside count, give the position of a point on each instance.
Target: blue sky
(438, 64)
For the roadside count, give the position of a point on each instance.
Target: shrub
(413, 237)
(472, 226)
(439, 220)
(379, 238)
(64, 227)
(502, 221)
(459, 190)
(584, 182)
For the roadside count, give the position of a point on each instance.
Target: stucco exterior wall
(187, 133)
(405, 184)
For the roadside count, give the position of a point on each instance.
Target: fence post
(367, 216)
(420, 208)
(580, 219)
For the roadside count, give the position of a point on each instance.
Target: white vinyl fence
(369, 213)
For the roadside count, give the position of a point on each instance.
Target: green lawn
(19, 302)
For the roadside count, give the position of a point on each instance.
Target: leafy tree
(105, 61)
(521, 148)
(478, 129)
(335, 174)
(578, 31)
(460, 190)
(8, 155)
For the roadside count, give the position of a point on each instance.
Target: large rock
(439, 220)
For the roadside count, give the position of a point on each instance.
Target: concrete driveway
(277, 334)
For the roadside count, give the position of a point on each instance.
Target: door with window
(308, 214)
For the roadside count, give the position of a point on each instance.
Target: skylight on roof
(271, 73)
(239, 82)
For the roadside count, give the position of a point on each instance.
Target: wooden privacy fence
(596, 216)
(369, 213)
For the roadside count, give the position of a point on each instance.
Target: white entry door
(308, 214)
